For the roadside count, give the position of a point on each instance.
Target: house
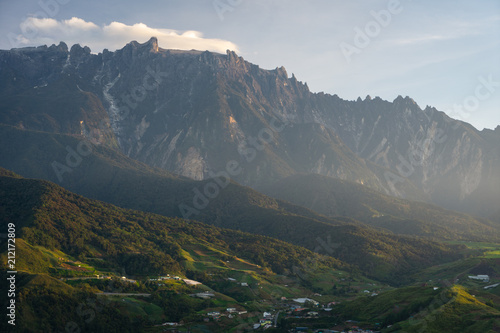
(483, 278)
(492, 286)
(231, 310)
(244, 284)
(204, 295)
(128, 280)
(170, 324)
(191, 282)
(304, 300)
(312, 313)
(231, 279)
(213, 314)
(267, 315)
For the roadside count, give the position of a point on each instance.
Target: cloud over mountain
(36, 31)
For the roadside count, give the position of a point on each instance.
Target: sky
(445, 54)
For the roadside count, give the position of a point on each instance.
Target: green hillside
(64, 241)
(423, 309)
(456, 311)
(142, 243)
(335, 197)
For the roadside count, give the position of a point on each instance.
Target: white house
(492, 286)
(303, 300)
(483, 278)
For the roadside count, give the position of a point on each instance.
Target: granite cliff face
(449, 160)
(201, 113)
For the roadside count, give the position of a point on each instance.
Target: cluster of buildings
(369, 292)
(266, 321)
(230, 313)
(243, 284)
(168, 277)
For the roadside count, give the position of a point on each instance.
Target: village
(271, 311)
(261, 314)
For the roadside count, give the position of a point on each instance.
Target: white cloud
(39, 31)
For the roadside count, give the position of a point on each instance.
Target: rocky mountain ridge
(194, 112)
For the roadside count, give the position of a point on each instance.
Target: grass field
(488, 250)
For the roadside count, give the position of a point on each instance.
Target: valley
(210, 278)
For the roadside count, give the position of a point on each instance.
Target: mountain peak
(398, 99)
(151, 45)
(281, 71)
(61, 47)
(406, 99)
(232, 56)
(78, 50)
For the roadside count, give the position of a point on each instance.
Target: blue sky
(441, 53)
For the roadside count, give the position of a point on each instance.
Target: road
(276, 318)
(122, 294)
